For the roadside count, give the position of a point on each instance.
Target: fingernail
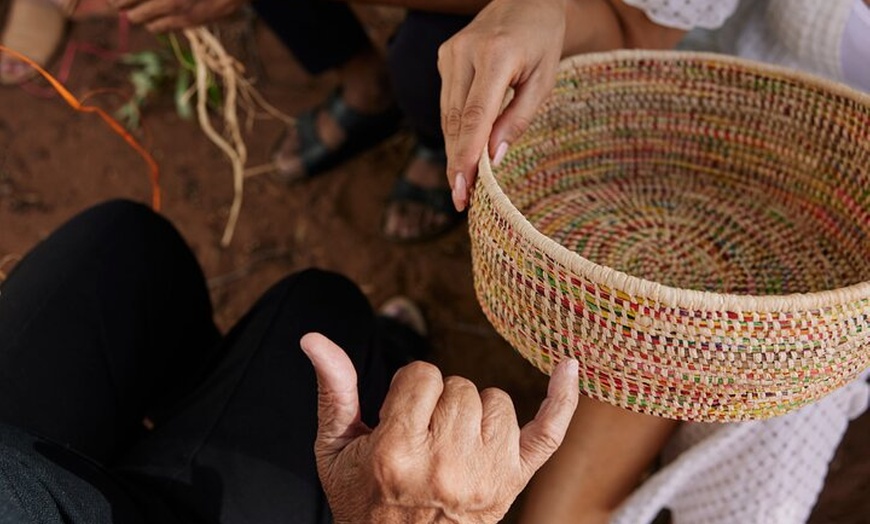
(573, 366)
(460, 187)
(499, 153)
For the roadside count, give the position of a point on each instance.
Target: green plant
(153, 70)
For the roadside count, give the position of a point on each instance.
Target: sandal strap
(312, 150)
(361, 131)
(439, 199)
(430, 154)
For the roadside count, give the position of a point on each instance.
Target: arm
(167, 15)
(602, 459)
(452, 7)
(160, 16)
(518, 44)
(442, 452)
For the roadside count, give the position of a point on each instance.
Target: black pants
(323, 35)
(108, 321)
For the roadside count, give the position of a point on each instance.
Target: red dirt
(55, 162)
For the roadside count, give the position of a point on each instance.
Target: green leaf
(149, 62)
(143, 84)
(182, 102)
(128, 114)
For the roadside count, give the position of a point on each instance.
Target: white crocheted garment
(759, 472)
(802, 34)
(687, 14)
(769, 471)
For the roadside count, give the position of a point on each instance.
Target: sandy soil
(55, 162)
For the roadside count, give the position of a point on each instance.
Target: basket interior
(700, 175)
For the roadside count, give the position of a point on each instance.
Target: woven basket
(693, 228)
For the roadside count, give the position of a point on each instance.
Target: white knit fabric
(759, 472)
(855, 51)
(686, 14)
(769, 471)
(803, 34)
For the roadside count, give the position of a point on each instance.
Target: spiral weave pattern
(693, 228)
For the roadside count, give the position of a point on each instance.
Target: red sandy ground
(55, 162)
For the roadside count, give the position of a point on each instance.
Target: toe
(286, 155)
(13, 71)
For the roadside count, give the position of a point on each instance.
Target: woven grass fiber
(693, 228)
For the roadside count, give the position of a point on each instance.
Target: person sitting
(514, 46)
(374, 96)
(121, 401)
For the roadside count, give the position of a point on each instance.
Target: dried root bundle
(213, 62)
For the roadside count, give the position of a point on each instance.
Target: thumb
(338, 411)
(542, 436)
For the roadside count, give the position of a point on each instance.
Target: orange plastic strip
(113, 124)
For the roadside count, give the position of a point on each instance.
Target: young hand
(509, 44)
(443, 452)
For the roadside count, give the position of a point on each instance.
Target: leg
(421, 206)
(308, 28)
(322, 138)
(241, 448)
(101, 321)
(413, 64)
(602, 459)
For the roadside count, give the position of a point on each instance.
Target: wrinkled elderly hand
(167, 15)
(442, 452)
(509, 44)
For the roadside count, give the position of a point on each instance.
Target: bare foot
(406, 312)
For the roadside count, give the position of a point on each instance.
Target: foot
(330, 134)
(404, 311)
(364, 106)
(402, 332)
(420, 206)
(34, 28)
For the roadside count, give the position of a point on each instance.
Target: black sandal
(362, 131)
(438, 199)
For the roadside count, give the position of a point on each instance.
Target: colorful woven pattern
(695, 229)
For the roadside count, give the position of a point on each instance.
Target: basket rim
(666, 295)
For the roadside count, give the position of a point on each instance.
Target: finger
(515, 118)
(147, 12)
(414, 393)
(499, 419)
(338, 411)
(457, 415)
(542, 436)
(456, 78)
(124, 4)
(168, 23)
(481, 108)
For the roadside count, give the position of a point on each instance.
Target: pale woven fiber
(693, 228)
